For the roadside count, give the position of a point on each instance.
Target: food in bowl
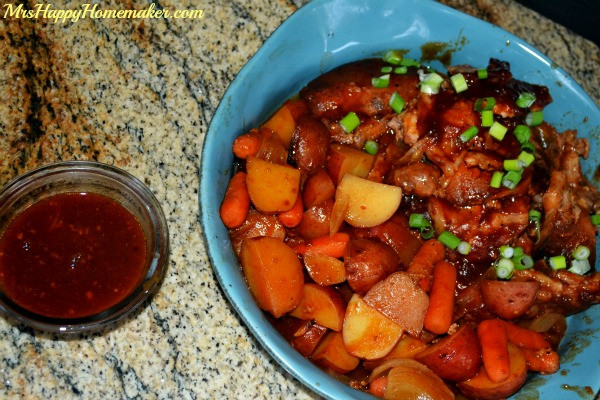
(414, 233)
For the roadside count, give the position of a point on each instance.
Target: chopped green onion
(449, 240)
(524, 262)
(525, 100)
(522, 133)
(526, 158)
(396, 103)
(459, 83)
(371, 147)
(350, 122)
(489, 102)
(511, 179)
(534, 118)
(580, 267)
(400, 70)
(513, 165)
(504, 268)
(595, 219)
(382, 82)
(496, 180)
(409, 62)
(558, 262)
(386, 70)
(487, 118)
(534, 215)
(464, 248)
(417, 220)
(427, 232)
(528, 147)
(518, 253)
(497, 130)
(581, 253)
(482, 73)
(430, 83)
(507, 251)
(469, 134)
(393, 57)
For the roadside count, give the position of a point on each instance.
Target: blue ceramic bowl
(325, 34)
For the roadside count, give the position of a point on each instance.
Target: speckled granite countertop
(140, 94)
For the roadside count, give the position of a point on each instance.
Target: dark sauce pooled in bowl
(71, 255)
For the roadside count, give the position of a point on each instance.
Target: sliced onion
(396, 362)
(545, 322)
(338, 213)
(412, 383)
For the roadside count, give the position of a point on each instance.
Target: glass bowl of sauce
(82, 244)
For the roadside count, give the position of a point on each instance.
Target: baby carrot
(333, 246)
(293, 216)
(494, 349)
(246, 145)
(523, 337)
(441, 298)
(545, 360)
(236, 203)
(377, 387)
(421, 266)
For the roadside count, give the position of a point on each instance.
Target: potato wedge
(324, 270)
(368, 333)
(344, 160)
(321, 304)
(369, 203)
(283, 124)
(272, 187)
(274, 274)
(331, 353)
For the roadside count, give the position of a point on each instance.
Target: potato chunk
(272, 187)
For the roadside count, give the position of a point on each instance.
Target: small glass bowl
(90, 177)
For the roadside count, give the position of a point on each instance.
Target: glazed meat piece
(419, 178)
(309, 144)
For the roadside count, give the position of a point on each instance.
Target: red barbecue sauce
(71, 255)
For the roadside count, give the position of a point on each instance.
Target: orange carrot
(377, 387)
(494, 349)
(441, 298)
(421, 267)
(333, 246)
(545, 360)
(246, 145)
(293, 216)
(523, 337)
(236, 203)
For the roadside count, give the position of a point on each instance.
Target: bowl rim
(159, 254)
(272, 345)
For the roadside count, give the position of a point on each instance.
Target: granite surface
(140, 94)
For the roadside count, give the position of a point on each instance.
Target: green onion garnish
(522, 133)
(431, 82)
(507, 251)
(459, 83)
(518, 253)
(482, 73)
(511, 179)
(427, 232)
(449, 240)
(513, 165)
(469, 134)
(534, 215)
(409, 62)
(382, 82)
(534, 118)
(504, 268)
(350, 122)
(595, 219)
(580, 267)
(528, 147)
(526, 158)
(400, 70)
(558, 262)
(393, 57)
(386, 70)
(524, 262)
(417, 220)
(371, 147)
(581, 253)
(484, 104)
(496, 180)
(487, 118)
(497, 130)
(464, 248)
(525, 100)
(396, 103)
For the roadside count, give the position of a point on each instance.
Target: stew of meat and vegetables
(417, 234)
